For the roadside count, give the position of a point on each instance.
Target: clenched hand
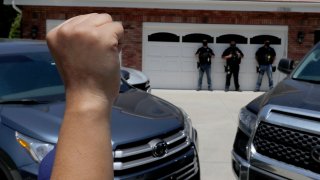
(86, 52)
(85, 49)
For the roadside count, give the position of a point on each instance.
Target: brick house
(162, 36)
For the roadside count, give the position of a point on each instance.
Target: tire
(5, 172)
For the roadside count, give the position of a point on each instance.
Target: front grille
(188, 171)
(137, 157)
(287, 145)
(143, 86)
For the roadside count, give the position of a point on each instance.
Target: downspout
(15, 7)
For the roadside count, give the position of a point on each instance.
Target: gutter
(15, 7)
(230, 5)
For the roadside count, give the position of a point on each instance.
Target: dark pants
(234, 70)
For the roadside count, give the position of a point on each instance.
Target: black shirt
(234, 60)
(205, 54)
(265, 55)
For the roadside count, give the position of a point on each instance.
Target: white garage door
(169, 53)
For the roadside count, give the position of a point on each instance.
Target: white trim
(179, 26)
(183, 4)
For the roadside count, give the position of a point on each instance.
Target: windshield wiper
(23, 101)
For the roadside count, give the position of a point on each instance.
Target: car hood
(136, 115)
(291, 93)
(41, 121)
(136, 77)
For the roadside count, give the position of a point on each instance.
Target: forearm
(85, 49)
(84, 139)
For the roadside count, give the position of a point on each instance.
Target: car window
(29, 75)
(32, 75)
(309, 70)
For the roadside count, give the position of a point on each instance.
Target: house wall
(132, 19)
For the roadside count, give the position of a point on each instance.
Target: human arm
(273, 56)
(240, 53)
(197, 52)
(257, 55)
(212, 55)
(85, 49)
(226, 54)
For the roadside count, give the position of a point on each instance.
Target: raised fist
(86, 49)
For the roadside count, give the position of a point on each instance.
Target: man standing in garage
(265, 57)
(233, 57)
(204, 64)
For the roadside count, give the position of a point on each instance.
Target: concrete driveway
(215, 116)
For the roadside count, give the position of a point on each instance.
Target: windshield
(29, 75)
(32, 76)
(309, 69)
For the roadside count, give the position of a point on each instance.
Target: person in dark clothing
(204, 64)
(265, 57)
(233, 57)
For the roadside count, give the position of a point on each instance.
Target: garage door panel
(247, 81)
(248, 67)
(218, 67)
(218, 80)
(170, 50)
(189, 66)
(152, 64)
(171, 65)
(251, 50)
(188, 80)
(189, 51)
(154, 50)
(160, 79)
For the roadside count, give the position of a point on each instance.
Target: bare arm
(85, 49)
(227, 57)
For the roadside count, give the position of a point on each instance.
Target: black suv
(279, 132)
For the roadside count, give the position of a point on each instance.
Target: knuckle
(108, 16)
(119, 27)
(113, 42)
(79, 31)
(64, 31)
(50, 36)
(94, 35)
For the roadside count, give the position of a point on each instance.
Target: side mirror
(285, 66)
(125, 74)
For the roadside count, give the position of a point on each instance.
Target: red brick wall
(133, 18)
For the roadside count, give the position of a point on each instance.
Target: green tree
(15, 28)
(7, 15)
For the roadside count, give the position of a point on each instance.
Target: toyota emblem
(315, 154)
(159, 147)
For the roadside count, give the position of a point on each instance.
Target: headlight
(37, 149)
(147, 84)
(247, 121)
(187, 124)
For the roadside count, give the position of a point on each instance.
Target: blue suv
(151, 138)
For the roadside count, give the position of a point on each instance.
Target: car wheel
(4, 172)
